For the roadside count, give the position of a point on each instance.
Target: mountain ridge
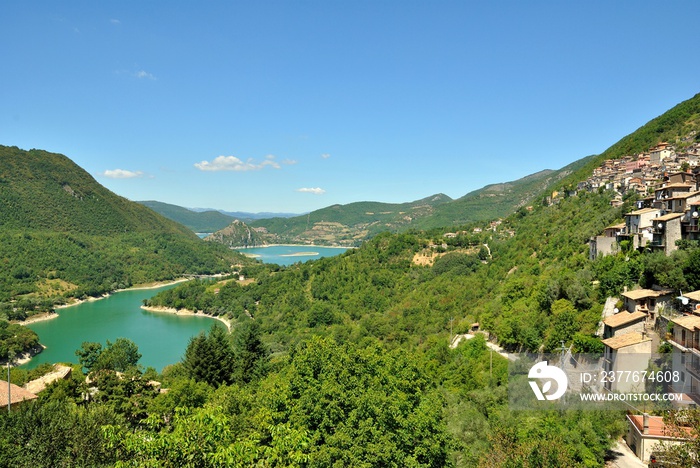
(66, 236)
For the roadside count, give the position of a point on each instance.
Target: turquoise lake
(162, 338)
(289, 254)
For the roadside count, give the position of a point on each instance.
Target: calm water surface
(161, 338)
(289, 254)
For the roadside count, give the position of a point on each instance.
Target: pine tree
(250, 352)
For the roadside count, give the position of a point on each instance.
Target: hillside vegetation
(236, 234)
(349, 224)
(197, 221)
(63, 235)
(346, 361)
(497, 200)
(354, 223)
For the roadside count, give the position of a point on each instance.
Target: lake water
(162, 338)
(289, 254)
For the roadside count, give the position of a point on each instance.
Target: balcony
(682, 344)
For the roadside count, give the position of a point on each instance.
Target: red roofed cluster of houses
(671, 214)
(641, 173)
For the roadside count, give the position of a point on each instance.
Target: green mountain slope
(679, 126)
(497, 200)
(236, 234)
(197, 221)
(355, 222)
(64, 235)
(349, 224)
(362, 354)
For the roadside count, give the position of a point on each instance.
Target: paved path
(621, 456)
(495, 347)
(608, 310)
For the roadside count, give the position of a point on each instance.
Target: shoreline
(76, 302)
(27, 356)
(155, 285)
(301, 254)
(186, 312)
(294, 245)
(42, 317)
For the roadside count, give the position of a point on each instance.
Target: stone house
(660, 152)
(646, 433)
(648, 301)
(624, 322)
(685, 338)
(638, 226)
(627, 352)
(666, 230)
(607, 243)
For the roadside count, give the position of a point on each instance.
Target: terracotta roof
(622, 341)
(683, 196)
(623, 318)
(687, 321)
(658, 428)
(676, 185)
(693, 295)
(617, 226)
(643, 293)
(17, 394)
(643, 211)
(668, 217)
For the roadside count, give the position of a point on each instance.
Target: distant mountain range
(65, 235)
(246, 216)
(207, 219)
(353, 223)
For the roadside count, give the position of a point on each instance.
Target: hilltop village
(667, 179)
(668, 214)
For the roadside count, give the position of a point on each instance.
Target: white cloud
(232, 163)
(121, 174)
(325, 155)
(289, 162)
(315, 191)
(141, 74)
(115, 21)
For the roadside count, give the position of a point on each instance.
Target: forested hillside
(346, 361)
(197, 221)
(349, 224)
(236, 234)
(379, 291)
(64, 235)
(498, 200)
(354, 223)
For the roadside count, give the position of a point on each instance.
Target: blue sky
(291, 106)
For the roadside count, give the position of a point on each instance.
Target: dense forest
(197, 221)
(533, 289)
(65, 236)
(347, 361)
(230, 403)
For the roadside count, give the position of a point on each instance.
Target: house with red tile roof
(17, 395)
(646, 433)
